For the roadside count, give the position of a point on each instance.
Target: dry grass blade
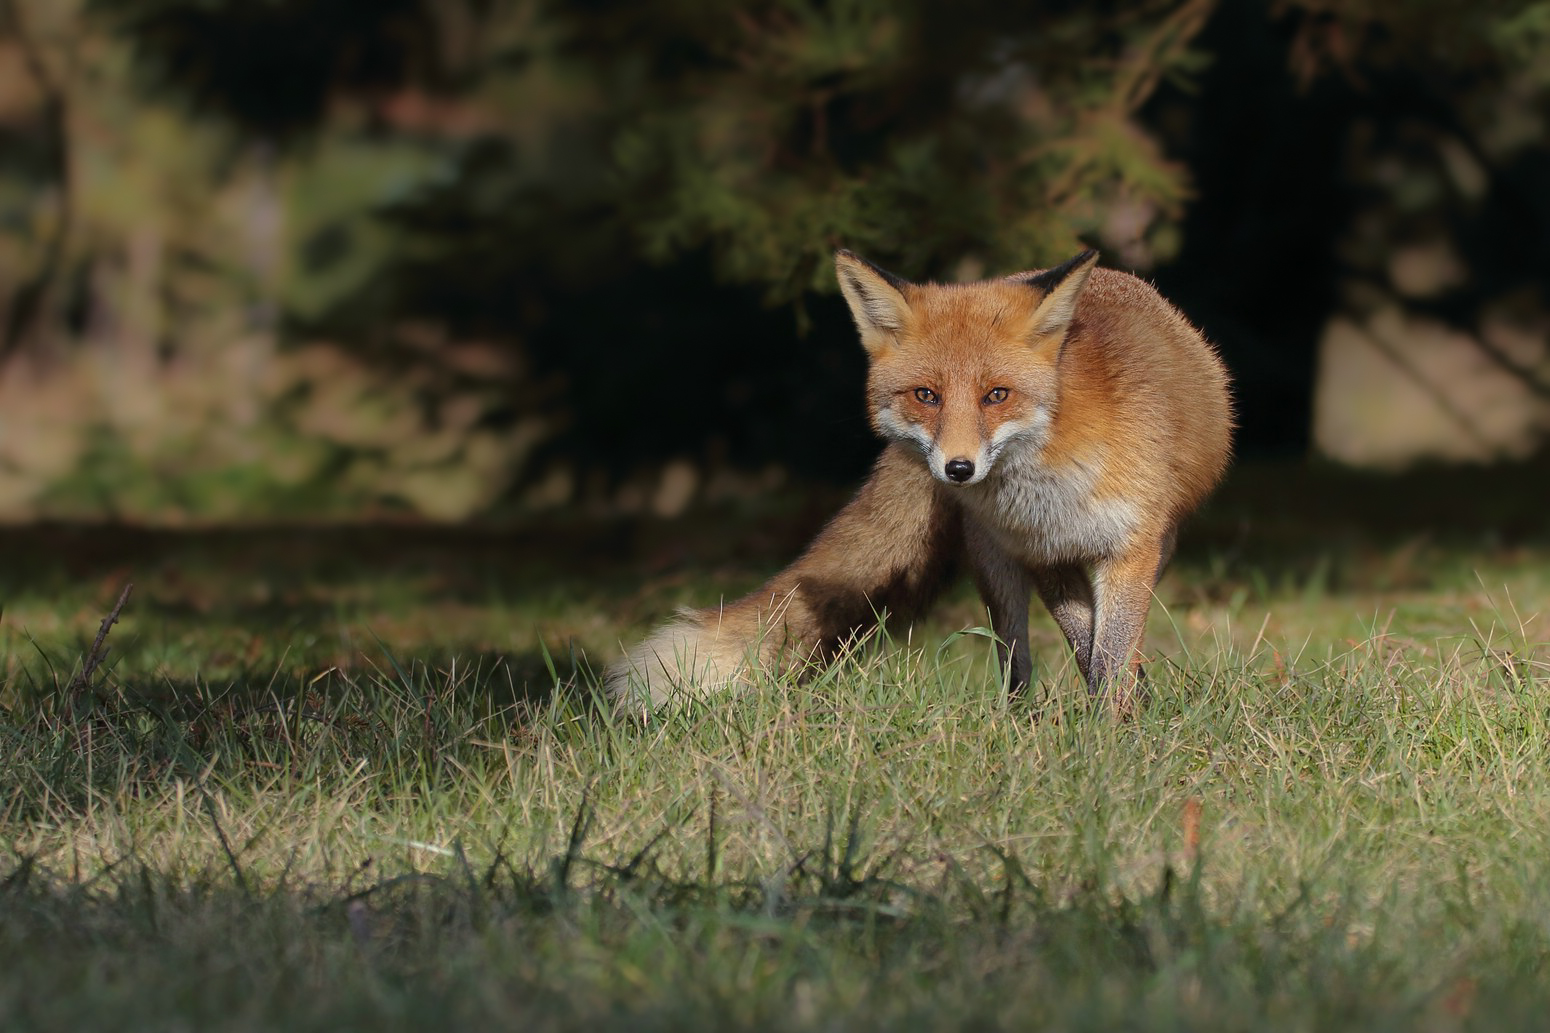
(98, 652)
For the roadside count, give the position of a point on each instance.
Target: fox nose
(959, 470)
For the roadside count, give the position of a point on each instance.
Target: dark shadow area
(1269, 516)
(1358, 530)
(295, 571)
(1258, 271)
(1312, 169)
(488, 910)
(424, 716)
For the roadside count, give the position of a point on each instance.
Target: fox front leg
(1122, 595)
(1005, 584)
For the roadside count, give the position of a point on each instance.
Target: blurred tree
(938, 138)
(635, 203)
(687, 160)
(46, 55)
(1355, 156)
(769, 130)
(273, 66)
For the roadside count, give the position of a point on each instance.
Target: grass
(357, 779)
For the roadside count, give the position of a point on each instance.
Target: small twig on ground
(98, 653)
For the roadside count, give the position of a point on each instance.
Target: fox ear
(876, 300)
(1063, 285)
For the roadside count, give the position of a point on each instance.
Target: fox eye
(996, 396)
(926, 395)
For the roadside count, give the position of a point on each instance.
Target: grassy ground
(355, 779)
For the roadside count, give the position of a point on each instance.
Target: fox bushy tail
(891, 549)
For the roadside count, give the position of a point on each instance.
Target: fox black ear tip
(843, 252)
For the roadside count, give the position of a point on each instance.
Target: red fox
(1052, 428)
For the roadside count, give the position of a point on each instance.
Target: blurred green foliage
(554, 246)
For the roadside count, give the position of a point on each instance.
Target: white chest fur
(1047, 514)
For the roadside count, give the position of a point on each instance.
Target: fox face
(962, 371)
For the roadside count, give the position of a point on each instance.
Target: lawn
(357, 778)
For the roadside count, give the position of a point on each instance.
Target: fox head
(962, 371)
